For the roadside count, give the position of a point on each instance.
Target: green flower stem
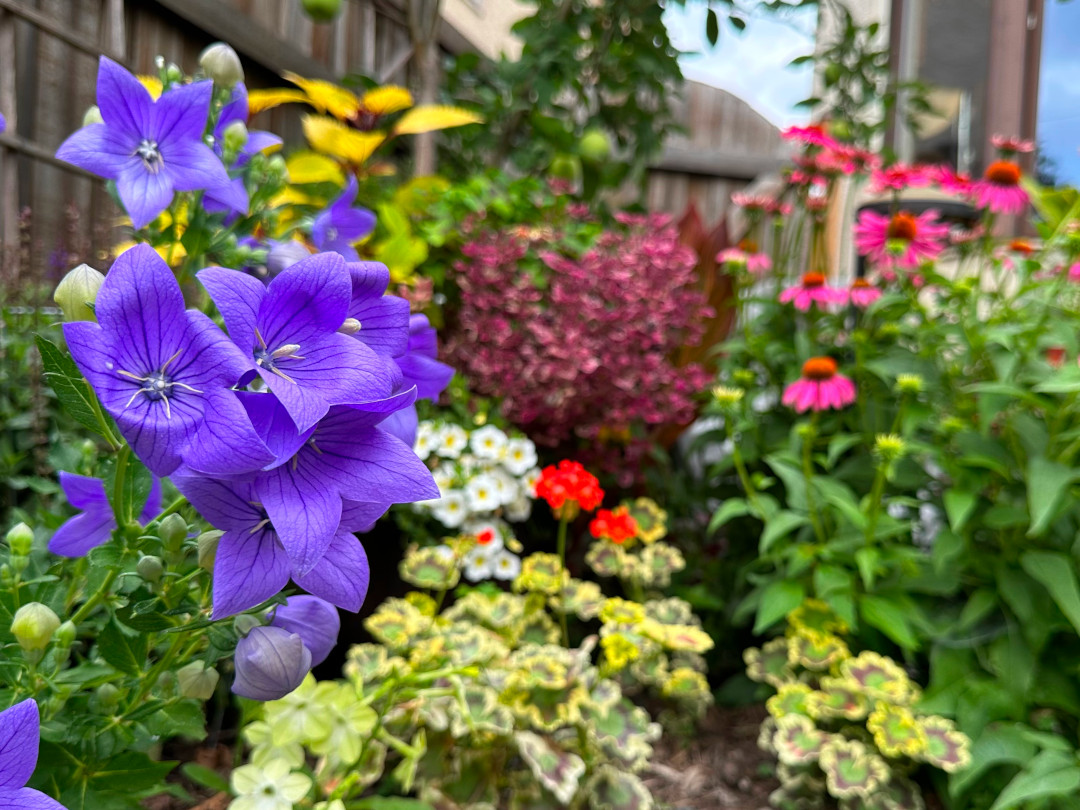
(175, 506)
(156, 671)
(877, 491)
(99, 596)
(808, 474)
(740, 468)
(561, 544)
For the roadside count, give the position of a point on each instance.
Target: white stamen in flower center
(148, 152)
(265, 358)
(156, 385)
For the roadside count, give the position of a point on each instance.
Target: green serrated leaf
(71, 389)
(125, 653)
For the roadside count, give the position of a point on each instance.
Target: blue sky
(1059, 90)
(752, 65)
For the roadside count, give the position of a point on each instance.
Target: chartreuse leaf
(1051, 773)
(1056, 573)
(331, 137)
(777, 601)
(311, 167)
(1047, 483)
(433, 117)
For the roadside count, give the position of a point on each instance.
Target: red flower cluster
(580, 347)
(616, 525)
(569, 482)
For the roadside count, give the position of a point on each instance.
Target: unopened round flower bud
(208, 543)
(150, 568)
(7, 576)
(277, 169)
(173, 74)
(235, 137)
(909, 383)
(221, 63)
(20, 539)
(19, 564)
(270, 663)
(65, 634)
(283, 255)
(77, 291)
(33, 626)
(107, 694)
(889, 447)
(245, 623)
(315, 620)
(197, 680)
(172, 530)
(92, 116)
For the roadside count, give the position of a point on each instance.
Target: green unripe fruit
(594, 146)
(323, 11)
(566, 167)
(33, 626)
(20, 539)
(833, 72)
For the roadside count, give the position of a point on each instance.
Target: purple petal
(192, 165)
(83, 532)
(226, 443)
(422, 336)
(369, 280)
(305, 405)
(87, 343)
(384, 323)
(18, 744)
(274, 425)
(236, 109)
(390, 404)
(308, 299)
(259, 141)
(124, 103)
(315, 620)
(364, 462)
(402, 424)
(231, 197)
(227, 505)
(144, 195)
(303, 509)
(248, 569)
(429, 376)
(27, 799)
(100, 150)
(82, 491)
(210, 358)
(153, 502)
(360, 516)
(237, 297)
(270, 663)
(341, 577)
(158, 437)
(180, 114)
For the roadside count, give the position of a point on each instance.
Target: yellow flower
(619, 651)
(621, 611)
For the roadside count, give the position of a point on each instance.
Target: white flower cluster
(486, 478)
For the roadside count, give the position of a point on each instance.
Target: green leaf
(996, 746)
(1047, 483)
(125, 653)
(71, 389)
(202, 775)
(867, 559)
(712, 27)
(959, 506)
(729, 510)
(131, 772)
(391, 803)
(1039, 780)
(1056, 573)
(890, 618)
(777, 601)
(780, 525)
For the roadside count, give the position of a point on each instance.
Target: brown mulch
(720, 768)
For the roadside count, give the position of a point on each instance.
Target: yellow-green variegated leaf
(433, 117)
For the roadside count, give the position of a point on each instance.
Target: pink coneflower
(1000, 190)
(863, 293)
(949, 181)
(751, 203)
(812, 290)
(1074, 273)
(966, 236)
(903, 240)
(1012, 145)
(898, 177)
(753, 262)
(813, 135)
(819, 388)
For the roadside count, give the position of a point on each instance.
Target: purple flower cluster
(585, 350)
(154, 148)
(273, 432)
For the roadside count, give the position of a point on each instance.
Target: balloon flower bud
(172, 530)
(220, 63)
(283, 255)
(20, 539)
(150, 568)
(235, 137)
(92, 116)
(65, 634)
(76, 292)
(270, 663)
(34, 625)
(208, 543)
(197, 680)
(315, 620)
(245, 623)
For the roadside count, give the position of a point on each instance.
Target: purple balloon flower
(340, 225)
(314, 620)
(163, 372)
(19, 731)
(150, 148)
(419, 365)
(270, 663)
(384, 319)
(288, 330)
(251, 564)
(95, 523)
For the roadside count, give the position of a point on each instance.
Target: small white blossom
(450, 509)
(519, 509)
(520, 456)
(506, 565)
(506, 485)
(482, 493)
(425, 437)
(449, 441)
(479, 564)
(531, 478)
(271, 786)
(488, 442)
